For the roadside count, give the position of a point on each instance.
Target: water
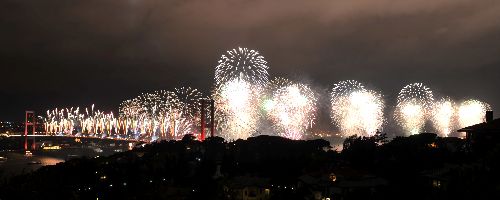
(17, 163)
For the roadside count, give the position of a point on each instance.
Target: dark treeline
(417, 167)
(425, 166)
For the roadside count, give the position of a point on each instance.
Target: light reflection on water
(17, 163)
(50, 161)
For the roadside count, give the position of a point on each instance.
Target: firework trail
(414, 107)
(186, 105)
(70, 121)
(162, 114)
(130, 108)
(158, 115)
(153, 115)
(292, 109)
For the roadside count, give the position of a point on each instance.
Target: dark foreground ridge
(266, 167)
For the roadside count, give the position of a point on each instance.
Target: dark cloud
(65, 53)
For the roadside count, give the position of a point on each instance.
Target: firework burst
(187, 100)
(415, 103)
(237, 104)
(346, 88)
(242, 63)
(162, 114)
(472, 112)
(356, 110)
(274, 85)
(443, 116)
(293, 110)
(186, 105)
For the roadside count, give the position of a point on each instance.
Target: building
(483, 136)
(316, 187)
(247, 188)
(345, 183)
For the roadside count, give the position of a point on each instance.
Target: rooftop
(491, 126)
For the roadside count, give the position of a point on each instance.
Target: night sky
(57, 53)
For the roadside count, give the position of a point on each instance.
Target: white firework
(293, 110)
(414, 108)
(242, 63)
(472, 112)
(356, 110)
(236, 109)
(444, 116)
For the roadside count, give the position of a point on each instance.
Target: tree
(188, 138)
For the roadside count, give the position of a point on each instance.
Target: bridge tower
(204, 125)
(30, 123)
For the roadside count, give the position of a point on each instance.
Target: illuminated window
(333, 177)
(436, 183)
